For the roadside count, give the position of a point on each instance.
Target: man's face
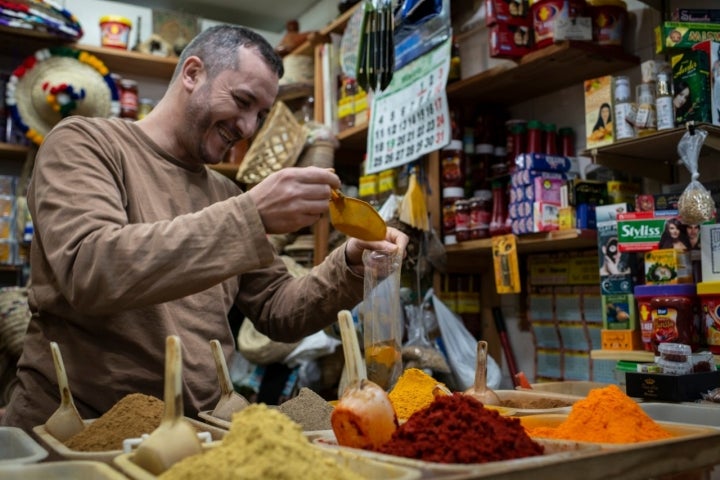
(693, 231)
(231, 106)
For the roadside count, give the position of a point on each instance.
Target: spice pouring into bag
(382, 317)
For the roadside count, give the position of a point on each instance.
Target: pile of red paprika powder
(457, 429)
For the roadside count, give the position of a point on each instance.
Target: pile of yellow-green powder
(262, 443)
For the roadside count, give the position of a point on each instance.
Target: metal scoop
(175, 438)
(356, 218)
(479, 390)
(230, 401)
(66, 421)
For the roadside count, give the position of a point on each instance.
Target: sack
(461, 348)
(258, 348)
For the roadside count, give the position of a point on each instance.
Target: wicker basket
(277, 145)
(320, 153)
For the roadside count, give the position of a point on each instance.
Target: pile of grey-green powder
(309, 410)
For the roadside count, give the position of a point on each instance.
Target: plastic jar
(129, 99)
(115, 31)
(452, 163)
(667, 314)
(449, 196)
(675, 358)
(609, 18)
(544, 14)
(709, 295)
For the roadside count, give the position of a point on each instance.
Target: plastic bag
(695, 205)
(418, 351)
(461, 348)
(382, 320)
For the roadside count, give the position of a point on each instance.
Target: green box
(691, 82)
(619, 311)
(683, 35)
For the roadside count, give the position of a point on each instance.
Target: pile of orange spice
(606, 415)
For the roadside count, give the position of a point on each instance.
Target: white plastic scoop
(65, 421)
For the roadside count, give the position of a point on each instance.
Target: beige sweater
(130, 247)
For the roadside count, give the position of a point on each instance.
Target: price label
(410, 117)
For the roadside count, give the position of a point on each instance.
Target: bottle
(623, 107)
(567, 141)
(550, 139)
(664, 100)
(534, 137)
(454, 73)
(499, 210)
(645, 119)
(516, 142)
(346, 103)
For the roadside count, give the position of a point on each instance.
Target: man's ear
(192, 72)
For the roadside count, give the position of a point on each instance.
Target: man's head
(228, 76)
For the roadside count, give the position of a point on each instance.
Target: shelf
(544, 71)
(627, 355)
(656, 4)
(10, 151)
(654, 156)
(531, 243)
(336, 26)
(354, 138)
(133, 63)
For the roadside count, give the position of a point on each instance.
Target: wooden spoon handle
(481, 367)
(65, 395)
(226, 387)
(173, 379)
(351, 348)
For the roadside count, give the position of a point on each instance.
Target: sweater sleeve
(97, 245)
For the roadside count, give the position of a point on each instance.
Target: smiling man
(135, 239)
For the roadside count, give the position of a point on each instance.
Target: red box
(510, 41)
(515, 12)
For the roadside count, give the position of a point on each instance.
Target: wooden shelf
(336, 26)
(354, 138)
(628, 355)
(10, 151)
(531, 243)
(133, 63)
(654, 156)
(544, 71)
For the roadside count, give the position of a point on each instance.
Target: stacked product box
(619, 322)
(510, 28)
(584, 196)
(564, 314)
(536, 188)
(8, 209)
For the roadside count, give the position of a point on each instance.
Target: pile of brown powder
(132, 416)
(308, 409)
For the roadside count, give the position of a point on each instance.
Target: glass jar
(129, 99)
(452, 162)
(480, 213)
(449, 196)
(462, 220)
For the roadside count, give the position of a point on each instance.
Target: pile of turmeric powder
(262, 443)
(412, 392)
(606, 415)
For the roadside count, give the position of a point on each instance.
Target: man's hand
(293, 198)
(395, 241)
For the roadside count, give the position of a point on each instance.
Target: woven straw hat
(56, 83)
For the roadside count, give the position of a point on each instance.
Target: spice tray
(693, 413)
(579, 388)
(534, 400)
(555, 451)
(677, 429)
(363, 466)
(107, 456)
(71, 469)
(17, 447)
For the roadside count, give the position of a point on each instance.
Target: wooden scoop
(175, 438)
(479, 390)
(356, 218)
(66, 421)
(230, 401)
(363, 417)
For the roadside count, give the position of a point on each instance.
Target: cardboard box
(672, 388)
(598, 112)
(619, 311)
(667, 266)
(510, 41)
(683, 35)
(507, 11)
(475, 53)
(691, 82)
(639, 231)
(710, 252)
(620, 339)
(712, 52)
